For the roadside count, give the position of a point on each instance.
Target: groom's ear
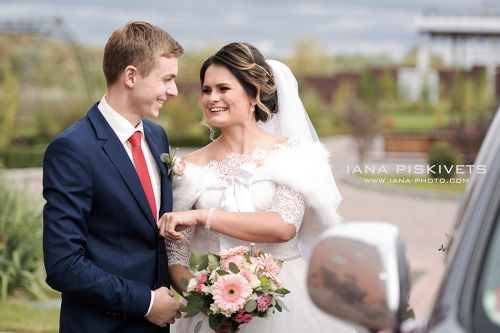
(130, 76)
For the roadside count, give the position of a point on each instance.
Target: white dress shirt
(124, 130)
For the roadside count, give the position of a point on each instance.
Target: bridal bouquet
(234, 286)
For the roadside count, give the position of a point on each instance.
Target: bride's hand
(170, 225)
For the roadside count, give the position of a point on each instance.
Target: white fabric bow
(237, 196)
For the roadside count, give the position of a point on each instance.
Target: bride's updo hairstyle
(249, 67)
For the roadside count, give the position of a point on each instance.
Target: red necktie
(142, 169)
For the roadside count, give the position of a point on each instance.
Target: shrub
(19, 156)
(20, 244)
(443, 159)
(188, 141)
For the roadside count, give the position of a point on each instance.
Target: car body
(468, 299)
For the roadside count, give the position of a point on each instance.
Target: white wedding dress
(288, 180)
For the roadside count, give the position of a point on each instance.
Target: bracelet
(210, 214)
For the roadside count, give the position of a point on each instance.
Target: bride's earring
(252, 107)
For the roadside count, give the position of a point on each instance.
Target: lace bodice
(266, 195)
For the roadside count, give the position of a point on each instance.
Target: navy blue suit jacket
(102, 249)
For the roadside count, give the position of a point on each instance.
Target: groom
(105, 187)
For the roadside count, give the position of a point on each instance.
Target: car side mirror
(358, 273)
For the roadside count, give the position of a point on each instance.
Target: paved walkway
(423, 221)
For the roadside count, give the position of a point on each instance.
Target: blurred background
(385, 83)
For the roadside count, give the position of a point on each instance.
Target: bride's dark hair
(249, 67)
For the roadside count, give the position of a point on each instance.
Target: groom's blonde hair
(138, 44)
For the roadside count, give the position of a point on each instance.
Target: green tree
(363, 115)
(388, 86)
(321, 114)
(457, 95)
(182, 120)
(410, 60)
(343, 97)
(310, 57)
(8, 104)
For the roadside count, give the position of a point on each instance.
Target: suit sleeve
(68, 190)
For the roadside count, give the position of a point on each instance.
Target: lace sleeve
(289, 204)
(179, 252)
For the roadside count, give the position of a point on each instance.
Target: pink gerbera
(230, 292)
(266, 266)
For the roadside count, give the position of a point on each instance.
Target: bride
(265, 180)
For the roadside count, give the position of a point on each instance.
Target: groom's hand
(165, 308)
(170, 224)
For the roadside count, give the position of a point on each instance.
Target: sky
(369, 27)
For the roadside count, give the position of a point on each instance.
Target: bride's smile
(225, 102)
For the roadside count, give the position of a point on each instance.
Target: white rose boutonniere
(175, 165)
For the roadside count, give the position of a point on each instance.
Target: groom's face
(150, 92)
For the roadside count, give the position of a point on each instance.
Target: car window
(487, 314)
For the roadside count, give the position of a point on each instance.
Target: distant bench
(413, 142)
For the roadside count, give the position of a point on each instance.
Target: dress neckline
(256, 154)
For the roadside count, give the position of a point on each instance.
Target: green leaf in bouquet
(234, 327)
(222, 272)
(213, 261)
(265, 283)
(233, 268)
(184, 282)
(197, 328)
(281, 304)
(251, 306)
(203, 263)
(282, 291)
(278, 307)
(195, 304)
(214, 321)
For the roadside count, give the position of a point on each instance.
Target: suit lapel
(120, 159)
(155, 148)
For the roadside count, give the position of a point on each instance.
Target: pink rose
(179, 167)
(225, 254)
(203, 278)
(237, 260)
(242, 318)
(247, 275)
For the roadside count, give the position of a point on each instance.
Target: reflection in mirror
(355, 274)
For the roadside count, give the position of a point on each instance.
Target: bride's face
(223, 99)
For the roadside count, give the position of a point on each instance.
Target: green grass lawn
(415, 122)
(455, 186)
(21, 316)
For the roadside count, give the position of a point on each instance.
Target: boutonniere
(175, 165)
